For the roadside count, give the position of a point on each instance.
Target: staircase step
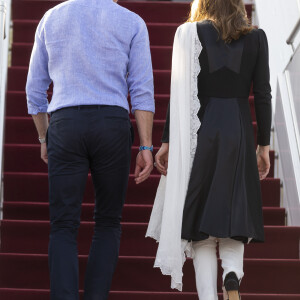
(131, 212)
(31, 294)
(20, 186)
(137, 274)
(26, 157)
(32, 237)
(160, 34)
(161, 55)
(16, 105)
(150, 11)
(21, 130)
(17, 80)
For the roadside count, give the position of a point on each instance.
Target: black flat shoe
(232, 286)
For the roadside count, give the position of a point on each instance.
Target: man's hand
(144, 166)
(161, 159)
(44, 155)
(41, 124)
(144, 159)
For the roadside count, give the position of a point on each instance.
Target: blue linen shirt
(94, 52)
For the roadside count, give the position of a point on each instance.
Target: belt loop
(98, 107)
(78, 107)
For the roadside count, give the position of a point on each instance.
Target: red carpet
(272, 269)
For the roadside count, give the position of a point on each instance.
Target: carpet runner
(272, 269)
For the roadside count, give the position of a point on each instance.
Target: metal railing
(291, 38)
(289, 71)
(287, 120)
(5, 8)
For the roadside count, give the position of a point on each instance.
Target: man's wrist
(150, 148)
(42, 140)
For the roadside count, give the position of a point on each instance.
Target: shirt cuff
(33, 110)
(144, 107)
(263, 140)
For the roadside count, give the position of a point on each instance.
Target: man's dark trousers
(79, 139)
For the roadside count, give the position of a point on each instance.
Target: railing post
(2, 33)
(3, 59)
(291, 38)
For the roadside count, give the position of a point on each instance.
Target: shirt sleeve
(38, 79)
(140, 73)
(166, 132)
(262, 92)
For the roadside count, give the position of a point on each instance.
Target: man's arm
(144, 160)
(140, 84)
(140, 73)
(38, 81)
(38, 78)
(144, 120)
(41, 123)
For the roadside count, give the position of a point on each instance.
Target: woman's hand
(263, 161)
(161, 159)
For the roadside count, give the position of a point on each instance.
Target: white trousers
(206, 268)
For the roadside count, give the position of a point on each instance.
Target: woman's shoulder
(185, 29)
(205, 24)
(258, 36)
(258, 33)
(207, 32)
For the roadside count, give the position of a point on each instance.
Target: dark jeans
(79, 139)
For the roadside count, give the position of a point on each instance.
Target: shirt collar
(96, 3)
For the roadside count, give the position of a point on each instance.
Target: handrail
(5, 8)
(292, 120)
(291, 38)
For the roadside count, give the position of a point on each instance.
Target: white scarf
(166, 218)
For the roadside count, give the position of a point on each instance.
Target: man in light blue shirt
(94, 52)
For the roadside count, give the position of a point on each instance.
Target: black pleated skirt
(224, 196)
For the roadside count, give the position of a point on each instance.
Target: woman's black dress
(224, 195)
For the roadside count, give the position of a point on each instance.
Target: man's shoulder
(132, 16)
(123, 14)
(59, 6)
(55, 9)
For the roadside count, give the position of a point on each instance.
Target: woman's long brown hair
(229, 17)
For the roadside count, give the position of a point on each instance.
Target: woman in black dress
(223, 201)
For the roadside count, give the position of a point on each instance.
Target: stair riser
(32, 237)
(150, 12)
(138, 213)
(26, 158)
(22, 131)
(45, 294)
(138, 274)
(16, 105)
(160, 34)
(34, 188)
(161, 57)
(17, 80)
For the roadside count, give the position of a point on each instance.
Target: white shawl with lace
(166, 218)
